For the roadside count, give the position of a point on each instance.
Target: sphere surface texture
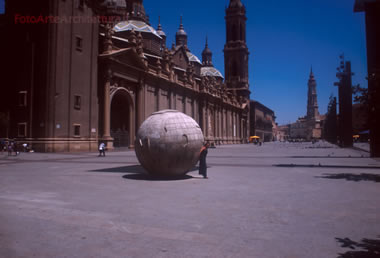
(168, 143)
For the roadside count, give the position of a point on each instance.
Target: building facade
(262, 121)
(72, 84)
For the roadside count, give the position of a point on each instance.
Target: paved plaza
(276, 200)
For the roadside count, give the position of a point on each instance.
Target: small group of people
(9, 146)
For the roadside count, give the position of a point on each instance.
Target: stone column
(204, 118)
(140, 113)
(107, 112)
(132, 124)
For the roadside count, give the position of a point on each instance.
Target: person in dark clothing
(202, 160)
(10, 148)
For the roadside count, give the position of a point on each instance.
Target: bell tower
(312, 104)
(235, 50)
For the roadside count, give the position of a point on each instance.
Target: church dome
(161, 33)
(137, 26)
(211, 71)
(181, 31)
(193, 58)
(159, 30)
(206, 51)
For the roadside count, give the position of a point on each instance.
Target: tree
(331, 122)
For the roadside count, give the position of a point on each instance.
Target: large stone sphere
(168, 143)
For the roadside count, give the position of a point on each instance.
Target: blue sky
(1, 6)
(285, 38)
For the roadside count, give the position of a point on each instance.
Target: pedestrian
(2, 145)
(10, 148)
(16, 148)
(202, 160)
(102, 149)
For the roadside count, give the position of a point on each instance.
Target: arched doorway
(121, 117)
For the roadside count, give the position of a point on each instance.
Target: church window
(77, 102)
(79, 43)
(21, 129)
(76, 130)
(22, 98)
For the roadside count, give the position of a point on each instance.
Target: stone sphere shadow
(148, 177)
(137, 172)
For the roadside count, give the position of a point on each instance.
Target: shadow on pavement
(353, 177)
(323, 166)
(366, 248)
(147, 177)
(137, 172)
(123, 169)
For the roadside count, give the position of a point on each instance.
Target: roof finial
(206, 41)
(159, 27)
(181, 24)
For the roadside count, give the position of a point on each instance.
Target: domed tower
(235, 50)
(161, 33)
(207, 55)
(181, 35)
(136, 11)
(312, 103)
(208, 68)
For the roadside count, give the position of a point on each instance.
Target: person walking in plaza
(102, 149)
(10, 148)
(202, 160)
(2, 145)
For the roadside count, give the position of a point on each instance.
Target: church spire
(161, 33)
(207, 55)
(181, 35)
(312, 103)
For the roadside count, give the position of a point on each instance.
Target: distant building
(282, 133)
(262, 121)
(308, 127)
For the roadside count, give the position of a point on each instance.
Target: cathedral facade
(74, 84)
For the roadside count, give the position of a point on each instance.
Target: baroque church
(70, 85)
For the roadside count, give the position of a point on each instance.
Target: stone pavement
(277, 200)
